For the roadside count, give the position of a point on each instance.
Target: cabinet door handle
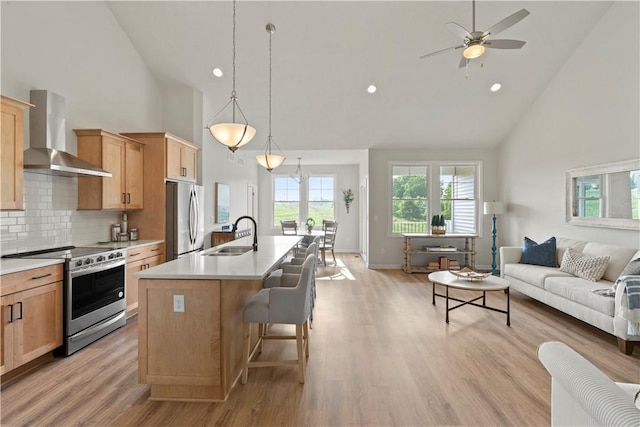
(19, 318)
(41, 277)
(124, 198)
(10, 313)
(128, 198)
(136, 254)
(156, 249)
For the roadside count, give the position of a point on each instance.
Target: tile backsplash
(50, 218)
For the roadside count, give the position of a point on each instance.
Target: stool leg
(306, 336)
(301, 358)
(246, 332)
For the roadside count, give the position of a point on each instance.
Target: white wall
(385, 250)
(78, 50)
(347, 176)
(588, 115)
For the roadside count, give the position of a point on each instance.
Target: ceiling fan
(475, 42)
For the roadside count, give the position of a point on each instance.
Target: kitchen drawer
(28, 279)
(142, 252)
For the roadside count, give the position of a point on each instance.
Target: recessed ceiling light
(495, 87)
(217, 72)
(372, 89)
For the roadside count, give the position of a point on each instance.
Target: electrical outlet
(178, 303)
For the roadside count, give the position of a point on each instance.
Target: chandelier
(232, 135)
(268, 160)
(298, 176)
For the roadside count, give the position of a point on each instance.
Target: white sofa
(571, 294)
(581, 395)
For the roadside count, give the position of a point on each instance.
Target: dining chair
(289, 228)
(291, 306)
(329, 230)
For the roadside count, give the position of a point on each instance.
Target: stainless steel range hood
(47, 143)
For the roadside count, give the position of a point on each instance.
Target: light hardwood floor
(381, 355)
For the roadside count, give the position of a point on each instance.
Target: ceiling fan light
(473, 51)
(232, 135)
(270, 161)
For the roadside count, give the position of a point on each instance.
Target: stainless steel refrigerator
(185, 219)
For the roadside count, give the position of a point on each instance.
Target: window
(286, 200)
(457, 198)
(421, 190)
(321, 203)
(314, 197)
(409, 200)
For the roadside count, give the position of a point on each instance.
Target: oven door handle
(97, 328)
(96, 269)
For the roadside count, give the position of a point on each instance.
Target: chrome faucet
(234, 227)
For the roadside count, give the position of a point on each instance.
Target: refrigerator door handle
(191, 196)
(196, 224)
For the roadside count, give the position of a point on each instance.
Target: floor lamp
(493, 208)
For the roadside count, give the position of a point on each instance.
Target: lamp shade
(473, 51)
(233, 135)
(493, 208)
(270, 161)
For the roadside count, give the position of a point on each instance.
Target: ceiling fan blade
(463, 62)
(441, 51)
(458, 30)
(506, 23)
(504, 44)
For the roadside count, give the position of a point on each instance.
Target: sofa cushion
(562, 243)
(539, 253)
(532, 274)
(620, 257)
(578, 290)
(585, 266)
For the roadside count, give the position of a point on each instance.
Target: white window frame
(304, 198)
(433, 185)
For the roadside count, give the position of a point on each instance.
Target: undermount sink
(230, 251)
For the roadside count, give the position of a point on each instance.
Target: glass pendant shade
(232, 135)
(270, 161)
(473, 51)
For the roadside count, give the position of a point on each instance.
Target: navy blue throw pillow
(539, 254)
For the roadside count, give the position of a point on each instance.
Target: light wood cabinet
(182, 160)
(220, 237)
(161, 152)
(11, 157)
(124, 158)
(31, 315)
(139, 259)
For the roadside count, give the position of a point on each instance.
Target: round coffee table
(489, 284)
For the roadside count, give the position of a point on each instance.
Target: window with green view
(286, 200)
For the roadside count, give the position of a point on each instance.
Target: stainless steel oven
(94, 301)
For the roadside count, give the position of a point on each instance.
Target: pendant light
(268, 160)
(298, 176)
(232, 135)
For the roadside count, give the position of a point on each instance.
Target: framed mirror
(605, 195)
(223, 203)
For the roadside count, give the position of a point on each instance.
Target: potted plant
(310, 223)
(437, 224)
(348, 198)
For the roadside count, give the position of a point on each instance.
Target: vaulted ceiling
(326, 54)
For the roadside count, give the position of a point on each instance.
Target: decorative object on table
(348, 198)
(468, 274)
(268, 160)
(232, 134)
(440, 249)
(310, 223)
(298, 176)
(438, 224)
(493, 208)
(223, 203)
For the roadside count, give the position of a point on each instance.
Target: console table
(414, 244)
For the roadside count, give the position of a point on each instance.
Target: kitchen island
(190, 318)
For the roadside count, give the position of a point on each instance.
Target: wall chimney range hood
(47, 140)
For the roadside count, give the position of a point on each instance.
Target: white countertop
(123, 245)
(247, 266)
(16, 265)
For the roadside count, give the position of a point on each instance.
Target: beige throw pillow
(586, 266)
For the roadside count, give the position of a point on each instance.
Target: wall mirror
(223, 203)
(605, 195)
